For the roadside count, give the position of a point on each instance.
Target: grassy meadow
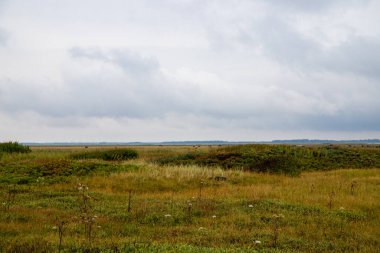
(252, 198)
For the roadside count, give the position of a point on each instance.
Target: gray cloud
(184, 66)
(358, 55)
(132, 63)
(4, 35)
(311, 6)
(282, 43)
(119, 83)
(277, 36)
(136, 86)
(115, 83)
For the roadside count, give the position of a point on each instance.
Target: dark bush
(118, 155)
(108, 155)
(275, 163)
(13, 147)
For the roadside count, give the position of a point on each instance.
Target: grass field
(184, 199)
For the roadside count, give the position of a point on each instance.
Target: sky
(171, 70)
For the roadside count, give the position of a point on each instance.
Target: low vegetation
(283, 159)
(13, 147)
(108, 155)
(191, 199)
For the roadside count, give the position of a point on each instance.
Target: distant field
(251, 198)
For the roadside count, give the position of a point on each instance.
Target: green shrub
(275, 163)
(45, 167)
(283, 159)
(108, 155)
(13, 147)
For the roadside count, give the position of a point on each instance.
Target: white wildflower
(257, 242)
(250, 206)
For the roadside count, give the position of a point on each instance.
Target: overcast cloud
(144, 70)
(3, 37)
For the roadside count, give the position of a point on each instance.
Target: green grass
(139, 206)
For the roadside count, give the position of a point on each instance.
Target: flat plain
(191, 199)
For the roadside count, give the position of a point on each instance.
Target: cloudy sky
(160, 70)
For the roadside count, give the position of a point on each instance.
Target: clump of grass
(13, 147)
(108, 155)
